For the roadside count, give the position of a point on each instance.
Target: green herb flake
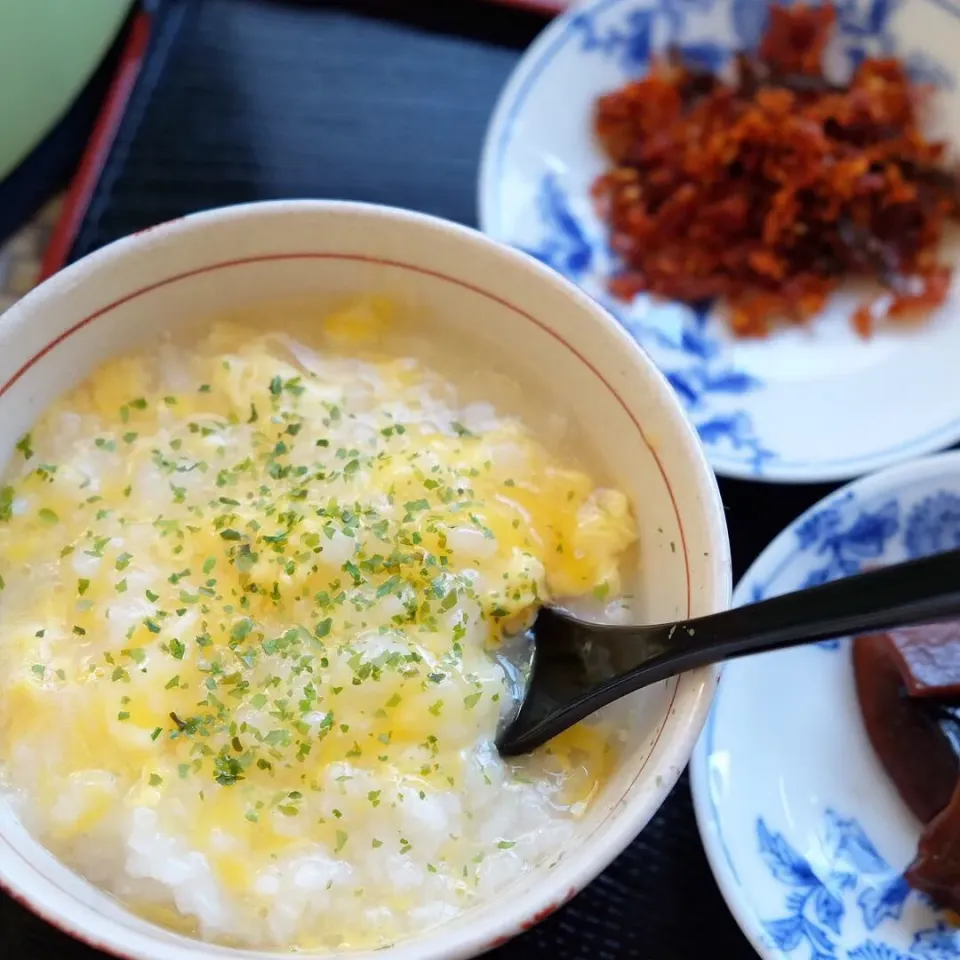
(24, 445)
(6, 504)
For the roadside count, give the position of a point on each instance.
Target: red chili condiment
(769, 191)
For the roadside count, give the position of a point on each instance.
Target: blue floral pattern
(864, 29)
(683, 347)
(851, 880)
(845, 537)
(869, 950)
(566, 245)
(683, 342)
(933, 525)
(643, 30)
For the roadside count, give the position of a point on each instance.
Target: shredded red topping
(768, 191)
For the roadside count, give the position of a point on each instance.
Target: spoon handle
(918, 591)
(571, 653)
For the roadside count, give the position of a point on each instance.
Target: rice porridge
(249, 589)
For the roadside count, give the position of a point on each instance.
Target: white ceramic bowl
(547, 332)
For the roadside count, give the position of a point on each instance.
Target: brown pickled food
(908, 687)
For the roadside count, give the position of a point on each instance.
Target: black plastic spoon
(562, 669)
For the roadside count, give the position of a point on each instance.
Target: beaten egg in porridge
(249, 591)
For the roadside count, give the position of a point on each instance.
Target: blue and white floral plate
(806, 836)
(804, 404)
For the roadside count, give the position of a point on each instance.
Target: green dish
(48, 51)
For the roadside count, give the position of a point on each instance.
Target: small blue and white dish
(805, 404)
(807, 837)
